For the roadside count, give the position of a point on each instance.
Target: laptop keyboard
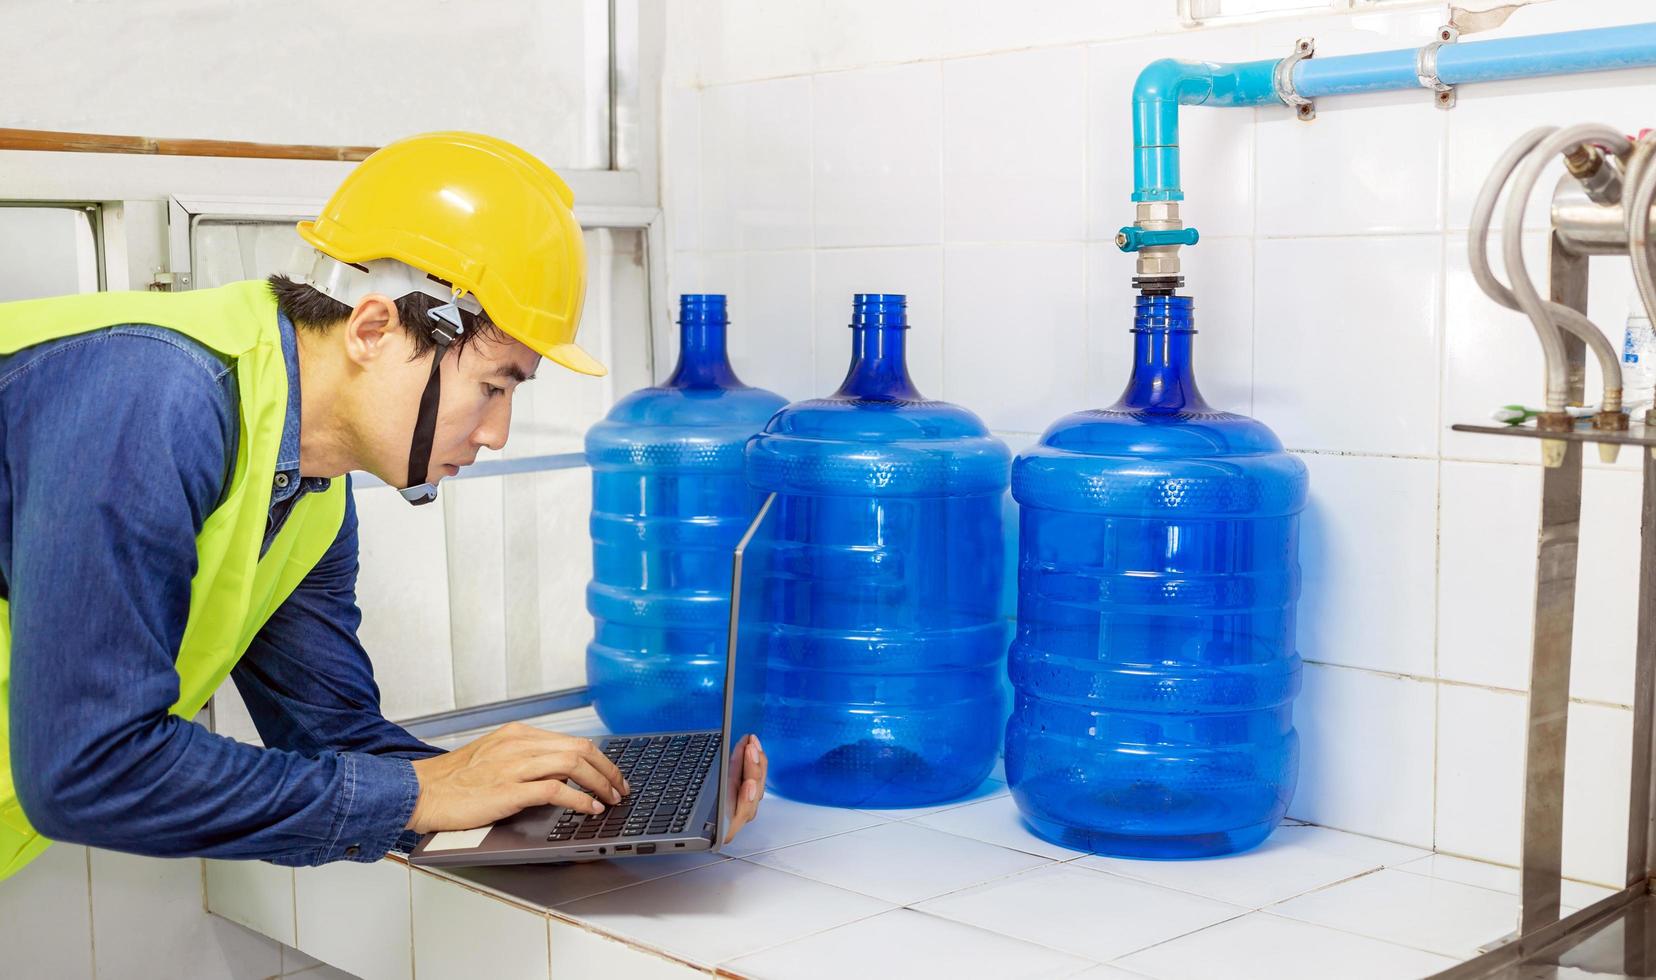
(666, 773)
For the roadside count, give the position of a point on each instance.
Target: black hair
(311, 309)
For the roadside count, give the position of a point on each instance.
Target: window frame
(94, 212)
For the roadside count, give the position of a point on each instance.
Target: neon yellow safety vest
(234, 590)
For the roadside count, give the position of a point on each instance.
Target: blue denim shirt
(115, 446)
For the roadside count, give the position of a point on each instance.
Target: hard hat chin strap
(446, 327)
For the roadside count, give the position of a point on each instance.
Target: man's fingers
(756, 767)
(602, 764)
(566, 765)
(555, 792)
(596, 783)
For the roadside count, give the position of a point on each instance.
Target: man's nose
(496, 424)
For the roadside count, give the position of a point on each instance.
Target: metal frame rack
(1617, 934)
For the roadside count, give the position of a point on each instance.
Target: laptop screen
(753, 562)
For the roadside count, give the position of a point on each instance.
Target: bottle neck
(703, 361)
(1164, 376)
(879, 365)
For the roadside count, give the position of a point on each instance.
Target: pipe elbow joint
(1174, 81)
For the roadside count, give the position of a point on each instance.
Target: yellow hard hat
(480, 214)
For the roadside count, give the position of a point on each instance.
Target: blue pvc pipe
(1165, 85)
(1567, 53)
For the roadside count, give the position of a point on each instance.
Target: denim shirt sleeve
(308, 682)
(115, 447)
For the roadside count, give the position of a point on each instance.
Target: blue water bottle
(669, 502)
(1154, 666)
(881, 630)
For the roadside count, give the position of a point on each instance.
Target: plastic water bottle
(669, 502)
(1154, 667)
(1638, 356)
(881, 629)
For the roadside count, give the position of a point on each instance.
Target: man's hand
(750, 785)
(511, 769)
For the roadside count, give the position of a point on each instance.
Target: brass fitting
(1610, 422)
(1553, 450)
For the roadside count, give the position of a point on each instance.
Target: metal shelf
(1636, 434)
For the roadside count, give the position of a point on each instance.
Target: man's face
(475, 410)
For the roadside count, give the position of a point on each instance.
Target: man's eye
(493, 390)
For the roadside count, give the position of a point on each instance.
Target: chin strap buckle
(425, 493)
(446, 325)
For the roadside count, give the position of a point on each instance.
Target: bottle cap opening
(880, 310)
(1164, 313)
(702, 308)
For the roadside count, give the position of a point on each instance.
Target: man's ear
(373, 331)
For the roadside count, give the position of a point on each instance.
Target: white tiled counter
(958, 891)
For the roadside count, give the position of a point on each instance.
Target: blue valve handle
(1132, 238)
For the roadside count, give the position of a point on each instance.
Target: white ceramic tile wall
(1480, 781)
(1363, 606)
(1366, 744)
(463, 933)
(148, 921)
(1015, 344)
(877, 155)
(76, 912)
(1346, 342)
(254, 894)
(1331, 287)
(756, 165)
(579, 952)
(357, 917)
(1486, 567)
(52, 896)
(1028, 183)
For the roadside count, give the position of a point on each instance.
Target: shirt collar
(287, 480)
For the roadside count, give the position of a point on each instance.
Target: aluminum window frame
(94, 211)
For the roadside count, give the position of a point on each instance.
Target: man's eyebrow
(512, 372)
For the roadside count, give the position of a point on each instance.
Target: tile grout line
(1442, 314)
(725, 962)
(1457, 957)
(1183, 935)
(1498, 891)
(628, 942)
(1454, 682)
(413, 964)
(1048, 862)
(91, 916)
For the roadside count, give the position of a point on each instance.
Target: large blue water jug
(882, 633)
(669, 502)
(1154, 666)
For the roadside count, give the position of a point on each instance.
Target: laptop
(684, 784)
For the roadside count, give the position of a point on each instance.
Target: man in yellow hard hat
(172, 514)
